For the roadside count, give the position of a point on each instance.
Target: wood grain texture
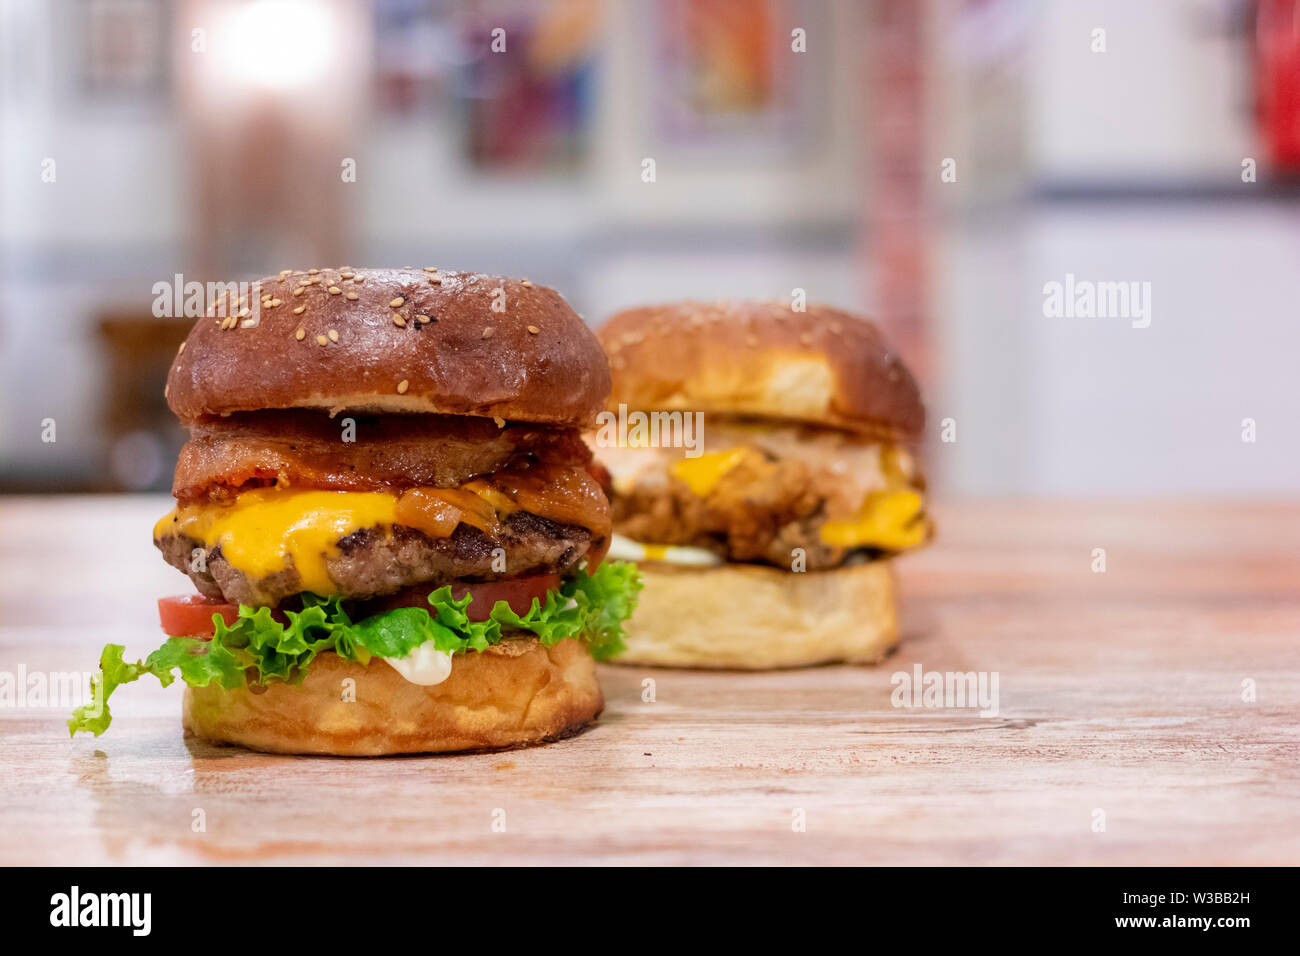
(1119, 691)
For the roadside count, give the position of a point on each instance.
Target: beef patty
(381, 560)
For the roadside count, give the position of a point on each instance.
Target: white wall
(1077, 406)
(1167, 99)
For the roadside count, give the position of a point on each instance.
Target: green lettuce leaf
(257, 649)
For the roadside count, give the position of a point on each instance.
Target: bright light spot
(280, 44)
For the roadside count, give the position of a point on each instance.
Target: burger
(386, 510)
(764, 540)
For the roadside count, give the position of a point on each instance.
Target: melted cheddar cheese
(264, 527)
(889, 520)
(703, 473)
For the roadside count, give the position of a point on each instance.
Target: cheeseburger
(386, 510)
(768, 543)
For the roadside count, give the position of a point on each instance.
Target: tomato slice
(190, 615)
(517, 592)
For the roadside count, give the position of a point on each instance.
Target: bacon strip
(308, 450)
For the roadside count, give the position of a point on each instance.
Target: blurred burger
(386, 509)
(767, 544)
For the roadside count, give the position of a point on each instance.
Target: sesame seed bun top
(823, 366)
(392, 340)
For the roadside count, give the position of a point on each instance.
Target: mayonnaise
(625, 549)
(422, 665)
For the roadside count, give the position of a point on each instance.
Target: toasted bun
(750, 617)
(466, 360)
(824, 367)
(514, 694)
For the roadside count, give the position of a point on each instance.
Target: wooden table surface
(1120, 692)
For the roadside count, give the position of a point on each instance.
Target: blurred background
(933, 164)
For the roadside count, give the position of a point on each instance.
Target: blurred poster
(1277, 81)
(124, 46)
(728, 73)
(417, 47)
(528, 87)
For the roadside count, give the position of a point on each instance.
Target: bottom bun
(514, 694)
(751, 617)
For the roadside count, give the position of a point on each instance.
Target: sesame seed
(300, 310)
(422, 319)
(534, 329)
(430, 268)
(300, 290)
(321, 340)
(335, 290)
(501, 422)
(397, 303)
(402, 386)
(346, 275)
(181, 349)
(487, 333)
(166, 390)
(527, 283)
(353, 296)
(312, 272)
(398, 320)
(284, 272)
(249, 323)
(244, 312)
(300, 334)
(358, 279)
(334, 335)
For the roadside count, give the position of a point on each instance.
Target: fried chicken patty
(381, 560)
(776, 495)
(762, 520)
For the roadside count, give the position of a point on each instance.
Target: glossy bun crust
(750, 617)
(823, 366)
(393, 340)
(515, 694)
